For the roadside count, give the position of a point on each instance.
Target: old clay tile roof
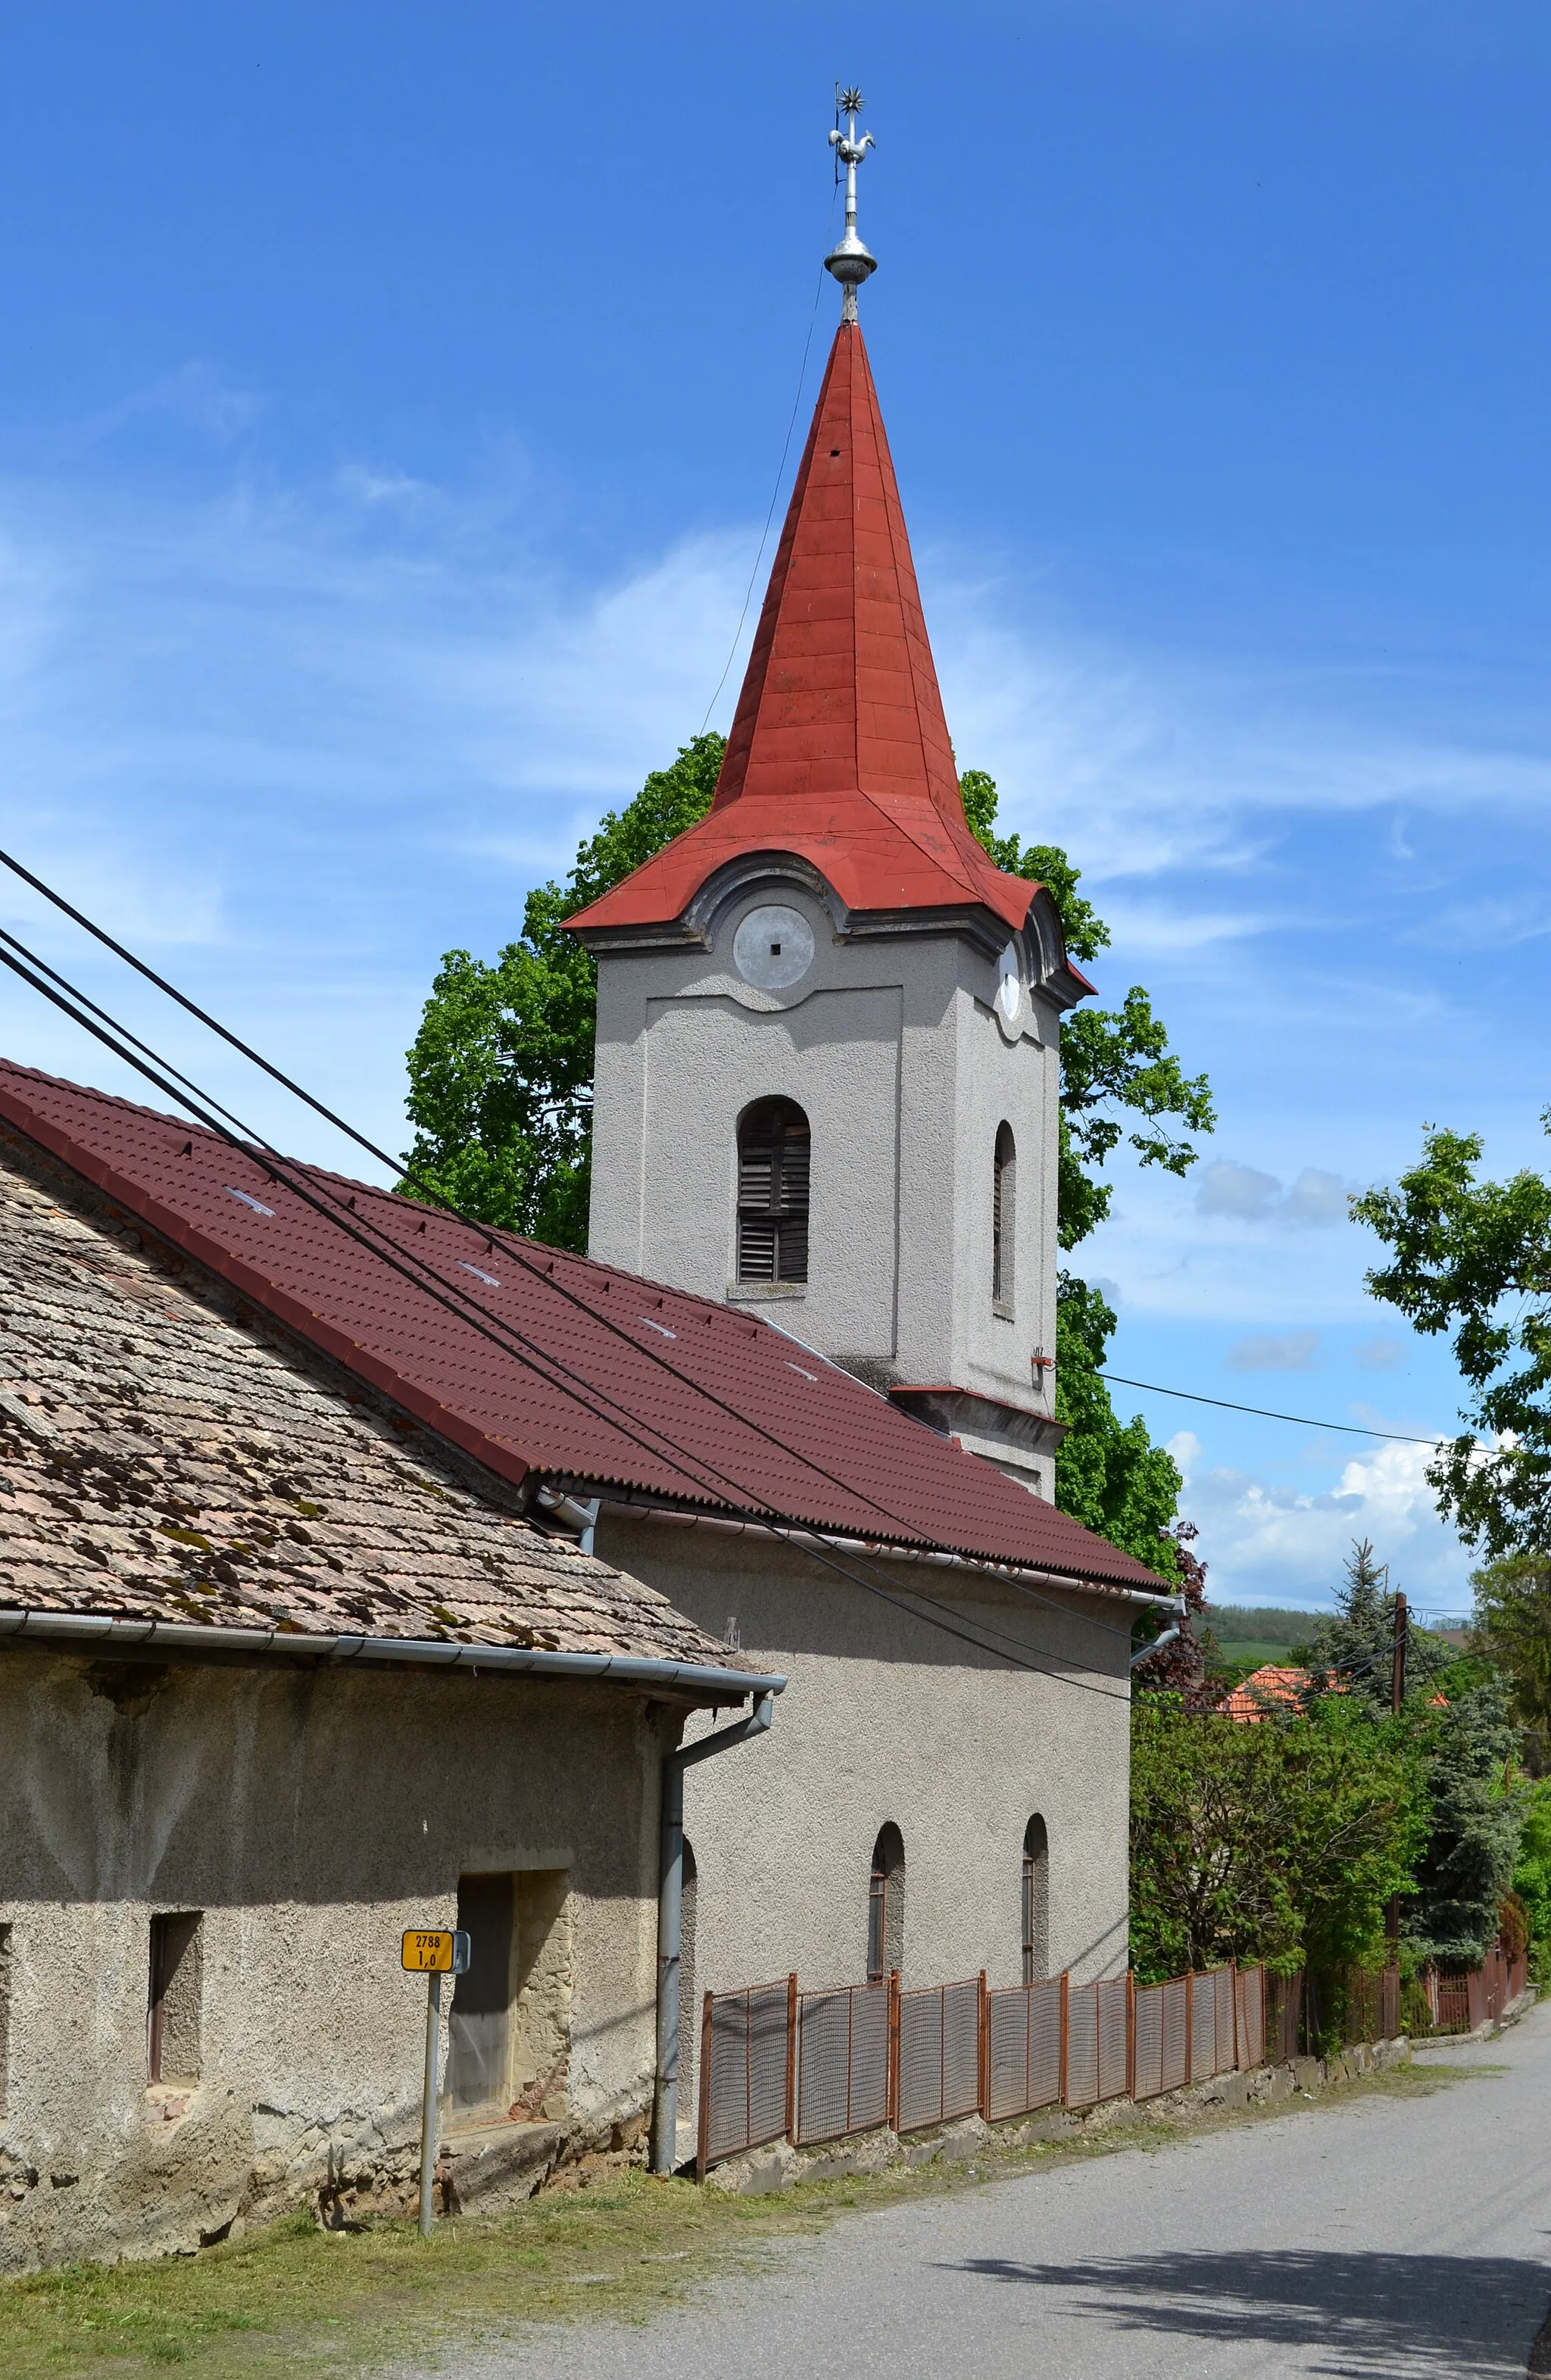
(1272, 1687)
(839, 751)
(167, 1457)
(616, 1381)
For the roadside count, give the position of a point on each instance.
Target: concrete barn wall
(886, 1718)
(312, 1817)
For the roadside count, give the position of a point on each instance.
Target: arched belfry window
(1036, 1901)
(1004, 1182)
(885, 1906)
(774, 1142)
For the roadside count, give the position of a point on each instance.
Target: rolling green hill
(1250, 1634)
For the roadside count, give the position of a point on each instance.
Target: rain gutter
(425, 1652)
(876, 1549)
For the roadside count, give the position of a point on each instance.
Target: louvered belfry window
(774, 1142)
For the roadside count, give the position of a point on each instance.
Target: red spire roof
(839, 750)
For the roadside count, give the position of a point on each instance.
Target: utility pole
(1398, 1657)
(1397, 1698)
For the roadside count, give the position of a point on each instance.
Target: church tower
(828, 1026)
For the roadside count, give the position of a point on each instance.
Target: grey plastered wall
(312, 1817)
(895, 1046)
(888, 1717)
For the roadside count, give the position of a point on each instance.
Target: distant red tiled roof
(1271, 1688)
(617, 1382)
(839, 751)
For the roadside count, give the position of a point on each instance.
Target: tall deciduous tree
(1454, 1719)
(500, 1071)
(1282, 1841)
(1120, 1079)
(1513, 1630)
(1473, 1259)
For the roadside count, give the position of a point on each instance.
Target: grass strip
(290, 2296)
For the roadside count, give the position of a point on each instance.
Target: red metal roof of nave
(839, 750)
(532, 1359)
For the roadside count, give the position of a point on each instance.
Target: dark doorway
(480, 2029)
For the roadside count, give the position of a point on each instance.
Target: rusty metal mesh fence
(1024, 2050)
(843, 2062)
(819, 2065)
(938, 2056)
(743, 2071)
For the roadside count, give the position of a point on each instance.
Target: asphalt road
(1383, 2239)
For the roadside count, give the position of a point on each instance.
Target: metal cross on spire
(850, 261)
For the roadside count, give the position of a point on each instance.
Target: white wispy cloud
(1272, 1544)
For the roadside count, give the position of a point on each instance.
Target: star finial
(850, 261)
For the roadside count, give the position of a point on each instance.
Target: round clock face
(774, 949)
(1010, 991)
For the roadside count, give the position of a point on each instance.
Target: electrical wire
(1303, 1421)
(393, 1163)
(494, 1237)
(58, 988)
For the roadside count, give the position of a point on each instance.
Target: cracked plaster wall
(312, 1817)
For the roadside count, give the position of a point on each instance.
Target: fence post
(1232, 2065)
(1131, 2033)
(1065, 1988)
(983, 2046)
(892, 2093)
(791, 2057)
(703, 2131)
(1190, 2025)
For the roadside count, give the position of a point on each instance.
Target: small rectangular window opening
(176, 1992)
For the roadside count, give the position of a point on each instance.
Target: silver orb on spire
(850, 261)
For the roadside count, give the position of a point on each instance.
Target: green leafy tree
(1454, 1719)
(1282, 1841)
(1532, 1875)
(1512, 1630)
(1118, 1078)
(1110, 1476)
(501, 1072)
(1117, 1070)
(1473, 1259)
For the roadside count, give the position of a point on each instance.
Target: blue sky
(392, 400)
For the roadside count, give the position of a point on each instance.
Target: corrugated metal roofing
(535, 1360)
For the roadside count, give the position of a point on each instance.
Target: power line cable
(191, 1099)
(493, 1236)
(393, 1164)
(1303, 1421)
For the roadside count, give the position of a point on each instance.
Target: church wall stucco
(892, 1046)
(311, 1817)
(886, 1718)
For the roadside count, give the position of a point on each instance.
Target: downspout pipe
(1155, 1646)
(670, 1917)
